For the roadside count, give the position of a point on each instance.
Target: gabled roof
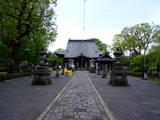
(105, 55)
(105, 58)
(76, 48)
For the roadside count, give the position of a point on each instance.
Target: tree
(101, 46)
(4, 53)
(26, 21)
(118, 42)
(136, 39)
(54, 60)
(136, 63)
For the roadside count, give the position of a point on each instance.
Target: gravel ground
(21, 101)
(139, 101)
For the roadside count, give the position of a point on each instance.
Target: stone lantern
(42, 75)
(119, 75)
(98, 69)
(92, 66)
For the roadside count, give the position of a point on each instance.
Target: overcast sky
(104, 18)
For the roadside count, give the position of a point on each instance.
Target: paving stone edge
(42, 115)
(106, 109)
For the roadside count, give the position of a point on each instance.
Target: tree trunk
(14, 65)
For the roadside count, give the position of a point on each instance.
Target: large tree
(101, 46)
(26, 21)
(136, 39)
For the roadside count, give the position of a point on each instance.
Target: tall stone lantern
(42, 75)
(92, 66)
(119, 75)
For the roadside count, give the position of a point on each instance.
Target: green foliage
(137, 64)
(4, 55)
(54, 60)
(3, 73)
(137, 38)
(59, 49)
(125, 60)
(154, 57)
(26, 24)
(135, 74)
(101, 46)
(30, 52)
(13, 76)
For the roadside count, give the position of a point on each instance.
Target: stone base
(92, 70)
(119, 84)
(99, 73)
(104, 76)
(41, 80)
(41, 76)
(118, 80)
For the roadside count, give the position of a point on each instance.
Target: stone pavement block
(79, 101)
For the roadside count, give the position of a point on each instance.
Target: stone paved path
(78, 102)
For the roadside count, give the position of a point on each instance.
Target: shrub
(135, 74)
(137, 64)
(4, 77)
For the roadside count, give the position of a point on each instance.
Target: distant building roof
(105, 58)
(105, 55)
(76, 48)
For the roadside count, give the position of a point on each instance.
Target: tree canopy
(26, 25)
(101, 46)
(142, 41)
(136, 39)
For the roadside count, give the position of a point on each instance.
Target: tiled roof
(106, 58)
(76, 48)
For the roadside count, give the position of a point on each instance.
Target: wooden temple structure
(84, 55)
(81, 53)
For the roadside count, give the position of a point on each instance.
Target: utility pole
(84, 19)
(145, 75)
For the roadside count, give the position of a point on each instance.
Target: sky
(103, 18)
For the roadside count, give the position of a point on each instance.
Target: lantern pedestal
(41, 76)
(118, 77)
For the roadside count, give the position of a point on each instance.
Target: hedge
(135, 74)
(14, 75)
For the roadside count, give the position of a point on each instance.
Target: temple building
(81, 53)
